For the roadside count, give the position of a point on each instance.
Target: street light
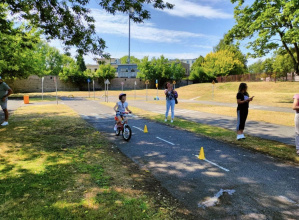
(131, 11)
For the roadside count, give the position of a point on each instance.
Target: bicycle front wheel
(127, 133)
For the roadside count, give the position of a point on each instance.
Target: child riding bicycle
(120, 108)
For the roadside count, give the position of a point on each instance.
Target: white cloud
(187, 8)
(118, 24)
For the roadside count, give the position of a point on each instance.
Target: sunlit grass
(278, 94)
(280, 118)
(53, 165)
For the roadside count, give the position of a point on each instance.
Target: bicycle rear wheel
(127, 133)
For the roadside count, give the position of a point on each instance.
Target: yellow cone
(201, 155)
(145, 129)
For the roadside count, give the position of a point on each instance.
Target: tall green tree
(256, 67)
(198, 62)
(71, 20)
(199, 75)
(80, 62)
(106, 72)
(17, 52)
(222, 63)
(146, 69)
(160, 69)
(268, 25)
(234, 48)
(267, 66)
(70, 71)
(177, 71)
(282, 65)
(124, 60)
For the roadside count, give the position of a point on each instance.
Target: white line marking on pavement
(195, 98)
(137, 128)
(215, 164)
(165, 141)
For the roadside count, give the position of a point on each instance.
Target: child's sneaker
(165, 120)
(115, 128)
(242, 136)
(171, 121)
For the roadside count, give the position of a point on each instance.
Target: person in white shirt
(120, 108)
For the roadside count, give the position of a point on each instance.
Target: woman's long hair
(243, 88)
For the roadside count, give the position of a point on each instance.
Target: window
(95, 69)
(132, 70)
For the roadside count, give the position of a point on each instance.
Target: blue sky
(191, 29)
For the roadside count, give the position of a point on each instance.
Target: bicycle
(123, 127)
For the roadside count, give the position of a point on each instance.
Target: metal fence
(257, 78)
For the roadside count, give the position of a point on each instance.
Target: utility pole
(130, 13)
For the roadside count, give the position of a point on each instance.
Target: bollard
(26, 99)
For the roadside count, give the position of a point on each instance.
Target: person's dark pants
(242, 116)
(297, 130)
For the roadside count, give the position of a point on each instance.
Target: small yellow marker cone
(145, 129)
(201, 155)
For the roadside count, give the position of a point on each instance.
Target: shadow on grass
(54, 166)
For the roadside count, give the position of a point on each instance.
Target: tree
(271, 25)
(70, 20)
(198, 62)
(124, 60)
(222, 63)
(198, 75)
(160, 69)
(177, 71)
(48, 59)
(146, 69)
(282, 65)
(267, 66)
(81, 63)
(225, 45)
(256, 67)
(70, 71)
(106, 72)
(17, 51)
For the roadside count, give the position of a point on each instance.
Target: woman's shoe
(239, 137)
(171, 121)
(242, 136)
(165, 120)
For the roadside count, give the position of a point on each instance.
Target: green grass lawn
(53, 165)
(273, 148)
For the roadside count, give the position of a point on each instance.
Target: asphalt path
(281, 133)
(265, 188)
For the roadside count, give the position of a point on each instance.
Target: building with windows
(112, 61)
(92, 67)
(190, 62)
(127, 71)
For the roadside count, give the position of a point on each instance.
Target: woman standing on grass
(170, 101)
(242, 110)
(296, 108)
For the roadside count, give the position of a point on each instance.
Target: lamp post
(130, 14)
